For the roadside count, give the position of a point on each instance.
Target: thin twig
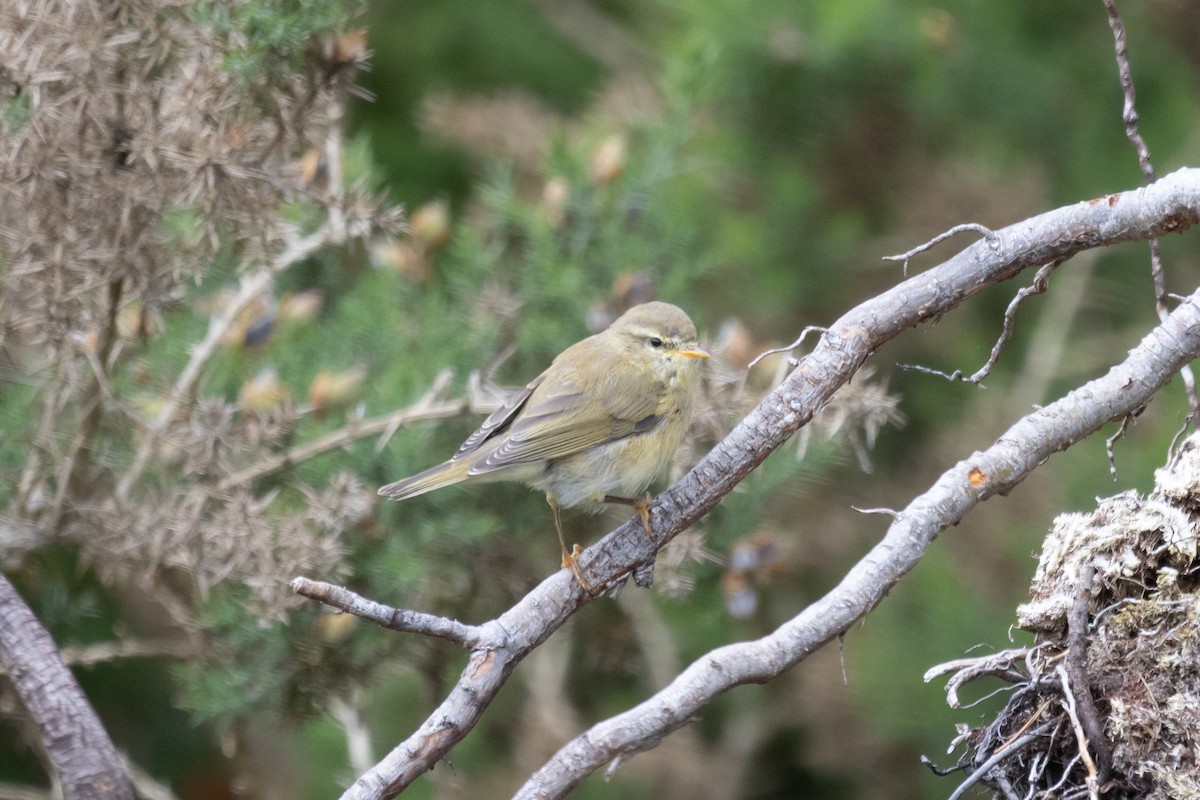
(1038, 286)
(887, 512)
(1067, 769)
(52, 405)
(995, 692)
(347, 713)
(352, 432)
(940, 771)
(436, 387)
(1130, 116)
(333, 163)
(1129, 113)
(992, 761)
(397, 619)
(1178, 437)
(101, 652)
(956, 375)
(1111, 440)
(252, 286)
(75, 463)
(987, 233)
(1068, 704)
(787, 348)
(1042, 364)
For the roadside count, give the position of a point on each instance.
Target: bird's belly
(624, 468)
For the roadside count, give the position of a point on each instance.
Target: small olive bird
(598, 426)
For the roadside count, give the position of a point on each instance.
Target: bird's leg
(570, 559)
(642, 507)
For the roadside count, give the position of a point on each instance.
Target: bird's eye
(656, 342)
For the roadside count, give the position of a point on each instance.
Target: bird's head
(661, 336)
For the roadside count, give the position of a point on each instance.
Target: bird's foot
(571, 561)
(642, 507)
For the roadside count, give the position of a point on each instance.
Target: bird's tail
(445, 474)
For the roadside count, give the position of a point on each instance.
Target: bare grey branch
(1170, 205)
(1016, 454)
(787, 348)
(396, 619)
(988, 234)
(1129, 113)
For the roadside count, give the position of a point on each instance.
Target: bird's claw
(641, 507)
(643, 511)
(571, 561)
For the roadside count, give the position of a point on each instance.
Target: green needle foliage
(749, 167)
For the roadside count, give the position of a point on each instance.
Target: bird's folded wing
(559, 421)
(498, 419)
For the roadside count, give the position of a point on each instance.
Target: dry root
(1107, 702)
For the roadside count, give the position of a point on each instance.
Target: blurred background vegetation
(751, 163)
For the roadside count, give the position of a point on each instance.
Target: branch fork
(1171, 204)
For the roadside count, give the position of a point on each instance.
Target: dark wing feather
(499, 418)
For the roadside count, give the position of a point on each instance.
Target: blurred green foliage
(794, 144)
(816, 138)
(265, 40)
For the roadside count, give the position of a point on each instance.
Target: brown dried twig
(1085, 706)
(1130, 116)
(1129, 113)
(1070, 706)
(352, 432)
(253, 284)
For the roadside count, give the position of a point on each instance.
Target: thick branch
(84, 758)
(1172, 204)
(1016, 454)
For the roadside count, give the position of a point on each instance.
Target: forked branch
(1170, 205)
(1015, 455)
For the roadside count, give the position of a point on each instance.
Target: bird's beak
(695, 352)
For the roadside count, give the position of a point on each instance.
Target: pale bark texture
(85, 761)
(1169, 205)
